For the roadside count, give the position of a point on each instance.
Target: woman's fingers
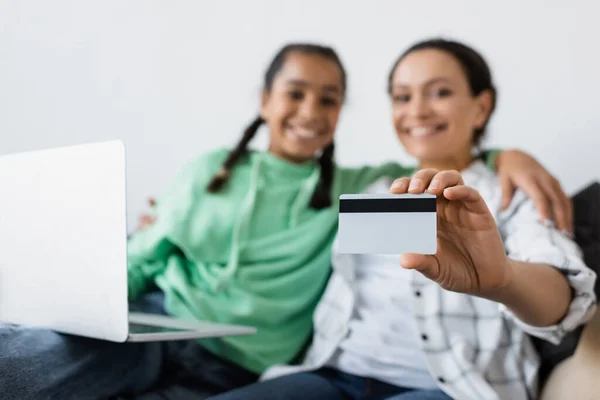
(470, 197)
(400, 186)
(443, 180)
(427, 181)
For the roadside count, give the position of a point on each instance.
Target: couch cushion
(586, 205)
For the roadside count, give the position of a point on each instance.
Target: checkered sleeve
(528, 239)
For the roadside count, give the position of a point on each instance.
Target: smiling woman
(443, 97)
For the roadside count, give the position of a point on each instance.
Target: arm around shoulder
(355, 180)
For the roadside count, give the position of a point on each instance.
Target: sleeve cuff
(583, 303)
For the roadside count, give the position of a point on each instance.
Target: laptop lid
(63, 240)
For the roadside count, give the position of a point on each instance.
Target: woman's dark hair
(322, 196)
(473, 64)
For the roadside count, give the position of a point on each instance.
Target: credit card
(387, 224)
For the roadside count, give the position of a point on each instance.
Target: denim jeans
(42, 364)
(328, 384)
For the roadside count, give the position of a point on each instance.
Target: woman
(456, 324)
(241, 237)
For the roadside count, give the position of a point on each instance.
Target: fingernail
(415, 184)
(434, 185)
(397, 185)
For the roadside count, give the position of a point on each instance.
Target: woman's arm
(551, 286)
(538, 294)
(536, 273)
(355, 180)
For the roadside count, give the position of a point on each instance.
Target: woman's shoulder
(212, 157)
(211, 161)
(200, 168)
(357, 178)
(391, 168)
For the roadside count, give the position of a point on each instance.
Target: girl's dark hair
(322, 196)
(473, 64)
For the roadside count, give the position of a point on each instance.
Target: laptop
(63, 248)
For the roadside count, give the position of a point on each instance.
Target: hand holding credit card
(431, 207)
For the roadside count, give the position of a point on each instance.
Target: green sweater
(254, 253)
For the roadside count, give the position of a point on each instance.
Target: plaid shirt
(475, 348)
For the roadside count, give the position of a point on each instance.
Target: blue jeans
(329, 384)
(42, 364)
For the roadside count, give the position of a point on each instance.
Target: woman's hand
(471, 257)
(470, 254)
(517, 169)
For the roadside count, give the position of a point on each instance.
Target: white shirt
(475, 348)
(383, 340)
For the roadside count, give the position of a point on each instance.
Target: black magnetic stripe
(387, 205)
